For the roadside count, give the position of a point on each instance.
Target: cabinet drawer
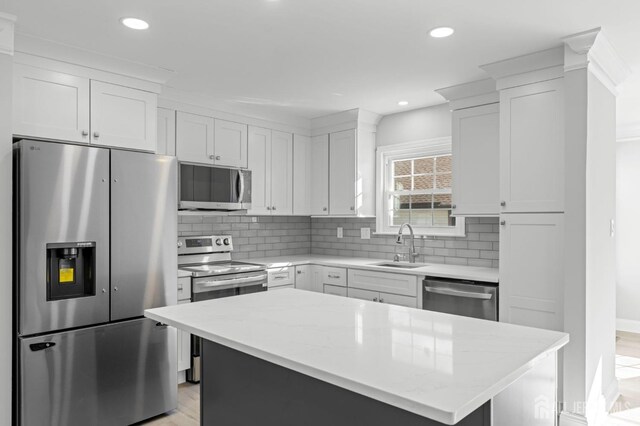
(396, 299)
(281, 276)
(335, 290)
(356, 293)
(334, 276)
(184, 288)
(406, 285)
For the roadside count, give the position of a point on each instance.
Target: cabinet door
(531, 270)
(476, 158)
(384, 281)
(123, 117)
(194, 138)
(230, 144)
(281, 173)
(320, 175)
(342, 173)
(356, 293)
(301, 175)
(304, 277)
(335, 290)
(532, 148)
(184, 347)
(166, 132)
(259, 160)
(50, 105)
(396, 299)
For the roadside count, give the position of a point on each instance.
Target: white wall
(628, 235)
(418, 124)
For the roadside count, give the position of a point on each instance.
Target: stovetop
(221, 268)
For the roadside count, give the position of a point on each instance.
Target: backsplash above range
(267, 236)
(478, 248)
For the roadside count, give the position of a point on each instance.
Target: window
(416, 189)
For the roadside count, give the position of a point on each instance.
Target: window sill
(423, 235)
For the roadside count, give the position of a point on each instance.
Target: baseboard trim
(571, 419)
(611, 394)
(631, 326)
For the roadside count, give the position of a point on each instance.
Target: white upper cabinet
(532, 148)
(320, 175)
(302, 164)
(123, 117)
(270, 160)
(194, 138)
(54, 105)
(476, 154)
(260, 166)
(342, 173)
(532, 270)
(281, 173)
(166, 132)
(48, 104)
(230, 144)
(202, 139)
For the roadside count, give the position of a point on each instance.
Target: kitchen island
(298, 357)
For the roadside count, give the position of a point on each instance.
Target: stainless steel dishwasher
(460, 297)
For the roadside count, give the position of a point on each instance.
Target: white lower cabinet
(184, 347)
(531, 270)
(401, 284)
(375, 296)
(335, 290)
(279, 277)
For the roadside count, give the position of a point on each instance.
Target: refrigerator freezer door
(114, 374)
(144, 233)
(62, 197)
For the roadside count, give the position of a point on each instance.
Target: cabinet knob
(218, 157)
(104, 290)
(453, 206)
(375, 299)
(96, 135)
(503, 203)
(503, 222)
(381, 300)
(352, 208)
(273, 208)
(324, 209)
(85, 133)
(115, 289)
(268, 208)
(299, 272)
(211, 157)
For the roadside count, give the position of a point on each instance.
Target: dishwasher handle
(458, 293)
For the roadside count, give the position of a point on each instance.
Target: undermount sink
(400, 265)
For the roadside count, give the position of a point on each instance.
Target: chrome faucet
(412, 251)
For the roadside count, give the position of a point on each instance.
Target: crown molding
(7, 28)
(592, 50)
(525, 69)
(48, 49)
(471, 94)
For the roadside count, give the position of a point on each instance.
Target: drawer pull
(333, 276)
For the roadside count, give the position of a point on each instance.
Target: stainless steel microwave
(205, 187)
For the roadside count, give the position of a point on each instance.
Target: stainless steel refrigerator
(95, 233)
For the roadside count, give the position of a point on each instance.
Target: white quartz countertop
(432, 269)
(440, 366)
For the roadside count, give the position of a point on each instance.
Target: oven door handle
(229, 283)
(458, 293)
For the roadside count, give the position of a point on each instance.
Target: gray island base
(240, 389)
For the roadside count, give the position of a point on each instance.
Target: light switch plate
(365, 233)
(340, 233)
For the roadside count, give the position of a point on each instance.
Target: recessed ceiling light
(403, 103)
(134, 23)
(441, 32)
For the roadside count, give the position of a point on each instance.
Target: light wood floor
(187, 413)
(626, 410)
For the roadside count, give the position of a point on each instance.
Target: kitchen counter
(433, 269)
(442, 367)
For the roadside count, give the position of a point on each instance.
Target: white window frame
(385, 155)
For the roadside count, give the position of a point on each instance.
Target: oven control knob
(226, 241)
(218, 242)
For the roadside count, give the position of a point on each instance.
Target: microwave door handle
(240, 186)
(458, 293)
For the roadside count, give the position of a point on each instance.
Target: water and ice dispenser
(71, 270)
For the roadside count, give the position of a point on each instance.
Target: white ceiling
(313, 57)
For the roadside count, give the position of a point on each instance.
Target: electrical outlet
(365, 233)
(340, 233)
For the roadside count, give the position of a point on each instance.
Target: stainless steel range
(215, 275)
